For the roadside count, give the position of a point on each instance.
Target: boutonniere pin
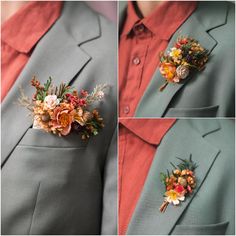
(186, 55)
(61, 110)
(179, 184)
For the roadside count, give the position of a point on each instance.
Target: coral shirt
(141, 41)
(138, 142)
(20, 34)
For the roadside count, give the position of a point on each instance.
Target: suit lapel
(182, 140)
(57, 55)
(196, 27)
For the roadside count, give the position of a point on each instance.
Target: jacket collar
(81, 22)
(24, 29)
(171, 14)
(151, 130)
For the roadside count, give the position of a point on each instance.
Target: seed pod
(45, 117)
(182, 181)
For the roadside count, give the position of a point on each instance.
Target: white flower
(174, 197)
(51, 101)
(182, 71)
(176, 54)
(100, 94)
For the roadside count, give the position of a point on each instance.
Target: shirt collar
(164, 21)
(150, 130)
(24, 29)
(131, 18)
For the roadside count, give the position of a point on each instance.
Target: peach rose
(62, 118)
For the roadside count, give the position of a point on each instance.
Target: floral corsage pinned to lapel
(179, 184)
(186, 55)
(61, 110)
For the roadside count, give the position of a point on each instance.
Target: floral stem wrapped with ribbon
(61, 110)
(186, 55)
(179, 184)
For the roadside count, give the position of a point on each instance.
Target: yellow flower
(176, 54)
(174, 197)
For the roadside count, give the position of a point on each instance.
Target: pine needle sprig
(187, 164)
(48, 84)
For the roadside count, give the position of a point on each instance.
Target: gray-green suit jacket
(53, 185)
(209, 93)
(211, 208)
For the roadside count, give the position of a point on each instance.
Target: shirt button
(139, 28)
(136, 61)
(126, 109)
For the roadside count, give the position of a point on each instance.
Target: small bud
(45, 117)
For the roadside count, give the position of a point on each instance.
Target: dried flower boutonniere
(61, 110)
(187, 54)
(180, 183)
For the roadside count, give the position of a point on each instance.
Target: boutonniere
(61, 110)
(186, 55)
(179, 184)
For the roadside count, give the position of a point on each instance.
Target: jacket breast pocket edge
(210, 111)
(208, 229)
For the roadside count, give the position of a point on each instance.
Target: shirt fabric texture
(20, 34)
(138, 142)
(141, 41)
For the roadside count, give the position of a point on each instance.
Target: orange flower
(82, 117)
(184, 172)
(168, 71)
(62, 118)
(190, 180)
(177, 172)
